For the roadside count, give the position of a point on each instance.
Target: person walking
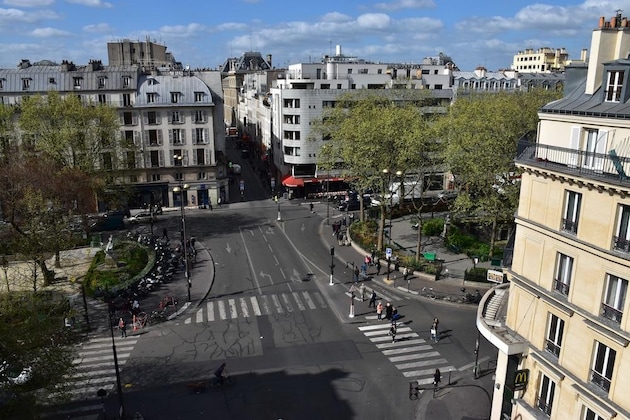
(434, 330)
(122, 327)
(311, 207)
(378, 267)
(379, 311)
(356, 274)
(372, 300)
(362, 292)
(392, 332)
(389, 309)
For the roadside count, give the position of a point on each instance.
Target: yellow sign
(521, 377)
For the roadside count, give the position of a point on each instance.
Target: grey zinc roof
(163, 86)
(579, 103)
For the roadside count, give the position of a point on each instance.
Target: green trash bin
(496, 262)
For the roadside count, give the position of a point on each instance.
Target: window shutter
(172, 159)
(600, 148)
(170, 137)
(159, 137)
(161, 158)
(574, 145)
(195, 157)
(158, 117)
(136, 138)
(206, 137)
(145, 118)
(208, 159)
(194, 136)
(182, 134)
(147, 160)
(169, 117)
(134, 119)
(205, 116)
(145, 134)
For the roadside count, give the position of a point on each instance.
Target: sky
(204, 33)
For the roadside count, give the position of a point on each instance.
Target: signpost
(521, 377)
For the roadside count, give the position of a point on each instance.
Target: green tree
(371, 133)
(481, 134)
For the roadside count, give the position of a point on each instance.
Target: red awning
(292, 182)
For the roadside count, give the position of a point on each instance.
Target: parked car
(142, 217)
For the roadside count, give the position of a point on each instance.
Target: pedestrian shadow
(442, 335)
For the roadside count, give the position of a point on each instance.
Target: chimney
(338, 50)
(583, 54)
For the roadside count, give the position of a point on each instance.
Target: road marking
(287, 303)
(199, 315)
(244, 309)
(298, 302)
(265, 304)
(210, 311)
(414, 356)
(308, 300)
(221, 307)
(374, 327)
(425, 372)
(399, 344)
(255, 306)
(233, 312)
(406, 350)
(422, 363)
(276, 302)
(320, 300)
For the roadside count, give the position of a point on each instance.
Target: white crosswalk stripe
(94, 366)
(416, 358)
(252, 306)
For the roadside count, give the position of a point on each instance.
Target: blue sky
(203, 33)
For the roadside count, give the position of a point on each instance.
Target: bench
(429, 256)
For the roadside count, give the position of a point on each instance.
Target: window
(591, 415)
(328, 104)
(102, 99)
(126, 99)
(612, 306)
(349, 71)
(128, 137)
(152, 117)
(77, 82)
(176, 136)
(603, 365)
(128, 118)
(201, 175)
(199, 96)
(126, 81)
(176, 117)
(291, 119)
(571, 211)
(200, 156)
(291, 135)
(154, 137)
(555, 329)
(151, 97)
(325, 86)
(621, 240)
(131, 160)
(614, 84)
(156, 177)
(26, 83)
(562, 277)
(200, 116)
(51, 80)
(155, 159)
(101, 82)
(175, 97)
(179, 176)
(291, 103)
(545, 394)
(106, 161)
(1, 83)
(200, 136)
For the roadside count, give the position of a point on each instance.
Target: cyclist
(221, 373)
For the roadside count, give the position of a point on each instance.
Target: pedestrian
(364, 267)
(368, 260)
(405, 273)
(437, 377)
(373, 254)
(362, 292)
(392, 332)
(378, 267)
(122, 327)
(379, 311)
(164, 234)
(356, 274)
(436, 322)
(395, 315)
(372, 300)
(311, 207)
(434, 330)
(389, 309)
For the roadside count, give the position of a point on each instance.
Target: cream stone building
(561, 325)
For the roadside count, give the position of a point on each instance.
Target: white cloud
(377, 21)
(98, 28)
(9, 16)
(336, 17)
(406, 4)
(183, 30)
(48, 32)
(28, 3)
(232, 26)
(91, 3)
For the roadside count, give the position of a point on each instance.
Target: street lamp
(387, 173)
(121, 404)
(180, 189)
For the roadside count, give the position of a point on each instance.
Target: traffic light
(413, 390)
(332, 250)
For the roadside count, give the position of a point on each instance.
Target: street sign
(521, 377)
(242, 185)
(388, 253)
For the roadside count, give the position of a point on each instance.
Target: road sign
(388, 253)
(242, 185)
(521, 377)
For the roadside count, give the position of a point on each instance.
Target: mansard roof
(163, 85)
(249, 61)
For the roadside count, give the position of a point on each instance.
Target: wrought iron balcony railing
(620, 244)
(611, 313)
(600, 380)
(561, 287)
(552, 348)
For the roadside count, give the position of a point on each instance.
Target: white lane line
(298, 302)
(406, 350)
(421, 364)
(308, 300)
(287, 303)
(382, 331)
(374, 327)
(320, 300)
(277, 304)
(244, 308)
(233, 312)
(188, 320)
(255, 306)
(210, 311)
(221, 308)
(398, 338)
(400, 344)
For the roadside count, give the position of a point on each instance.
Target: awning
(293, 182)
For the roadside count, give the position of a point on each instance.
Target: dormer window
(175, 97)
(614, 84)
(101, 81)
(1, 84)
(51, 80)
(126, 81)
(77, 82)
(26, 83)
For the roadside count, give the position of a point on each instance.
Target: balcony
(621, 244)
(546, 408)
(611, 313)
(600, 380)
(561, 287)
(569, 226)
(609, 168)
(552, 348)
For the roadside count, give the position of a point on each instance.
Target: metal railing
(552, 348)
(611, 313)
(608, 167)
(561, 287)
(600, 380)
(621, 244)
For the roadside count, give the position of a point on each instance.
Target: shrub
(433, 227)
(478, 274)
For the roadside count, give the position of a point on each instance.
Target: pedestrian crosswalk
(252, 306)
(94, 366)
(413, 356)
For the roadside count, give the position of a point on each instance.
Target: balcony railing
(608, 167)
(569, 226)
(552, 348)
(561, 287)
(544, 406)
(611, 313)
(600, 380)
(620, 244)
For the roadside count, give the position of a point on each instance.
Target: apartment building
(560, 325)
(542, 60)
(172, 116)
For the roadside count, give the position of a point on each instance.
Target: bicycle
(428, 292)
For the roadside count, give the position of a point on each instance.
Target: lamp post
(180, 189)
(332, 264)
(279, 219)
(116, 368)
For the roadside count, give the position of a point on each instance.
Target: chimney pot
(602, 22)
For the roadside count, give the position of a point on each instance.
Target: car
(142, 217)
